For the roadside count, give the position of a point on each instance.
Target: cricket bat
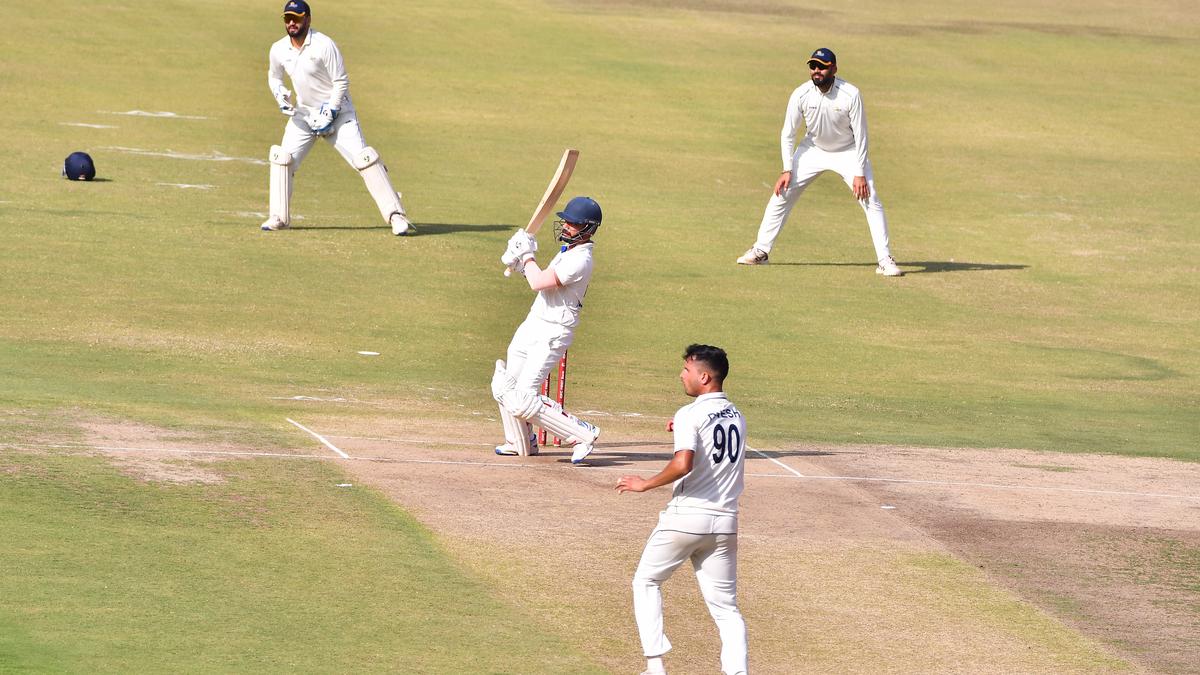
(566, 166)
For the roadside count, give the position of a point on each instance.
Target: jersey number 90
(727, 441)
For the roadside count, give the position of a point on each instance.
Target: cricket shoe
(582, 450)
(401, 227)
(755, 256)
(273, 224)
(889, 268)
(509, 450)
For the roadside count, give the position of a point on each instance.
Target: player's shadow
(423, 229)
(659, 452)
(341, 227)
(926, 266)
(434, 229)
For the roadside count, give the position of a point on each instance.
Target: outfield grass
(278, 566)
(1036, 164)
(1031, 179)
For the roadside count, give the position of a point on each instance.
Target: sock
(654, 664)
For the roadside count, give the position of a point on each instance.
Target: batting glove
(522, 242)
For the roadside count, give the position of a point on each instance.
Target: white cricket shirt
(561, 304)
(835, 121)
(715, 431)
(317, 72)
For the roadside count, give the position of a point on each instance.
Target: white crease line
(143, 113)
(507, 465)
(189, 186)
(785, 466)
(317, 436)
(210, 157)
(176, 451)
(418, 441)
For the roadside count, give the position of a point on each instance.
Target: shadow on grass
(926, 266)
(604, 456)
(932, 267)
(423, 229)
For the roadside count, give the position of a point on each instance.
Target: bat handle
(508, 271)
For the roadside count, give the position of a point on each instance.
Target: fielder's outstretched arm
(679, 466)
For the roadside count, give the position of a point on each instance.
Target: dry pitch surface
(898, 559)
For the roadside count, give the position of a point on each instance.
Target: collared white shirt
(835, 121)
(316, 69)
(715, 431)
(561, 304)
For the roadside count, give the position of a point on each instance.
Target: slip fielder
(700, 522)
(546, 333)
(322, 109)
(835, 140)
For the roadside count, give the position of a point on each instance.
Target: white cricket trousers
(535, 348)
(810, 162)
(714, 557)
(346, 138)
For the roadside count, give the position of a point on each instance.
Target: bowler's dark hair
(713, 357)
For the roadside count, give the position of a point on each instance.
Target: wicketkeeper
(546, 333)
(322, 109)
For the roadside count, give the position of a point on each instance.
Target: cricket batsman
(546, 333)
(322, 109)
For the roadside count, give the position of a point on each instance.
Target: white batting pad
(551, 417)
(281, 184)
(516, 433)
(502, 382)
(375, 175)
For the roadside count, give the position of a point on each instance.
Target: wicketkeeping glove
(321, 122)
(284, 98)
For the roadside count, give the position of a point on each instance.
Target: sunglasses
(289, 18)
(817, 66)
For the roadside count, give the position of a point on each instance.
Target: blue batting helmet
(585, 214)
(79, 166)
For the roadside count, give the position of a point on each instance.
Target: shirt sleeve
(791, 126)
(274, 73)
(571, 268)
(858, 126)
(339, 78)
(685, 431)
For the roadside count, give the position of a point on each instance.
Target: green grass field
(1036, 164)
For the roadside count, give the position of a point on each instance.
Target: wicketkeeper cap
(823, 56)
(297, 7)
(79, 166)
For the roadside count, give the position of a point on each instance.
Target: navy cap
(824, 57)
(79, 166)
(298, 7)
